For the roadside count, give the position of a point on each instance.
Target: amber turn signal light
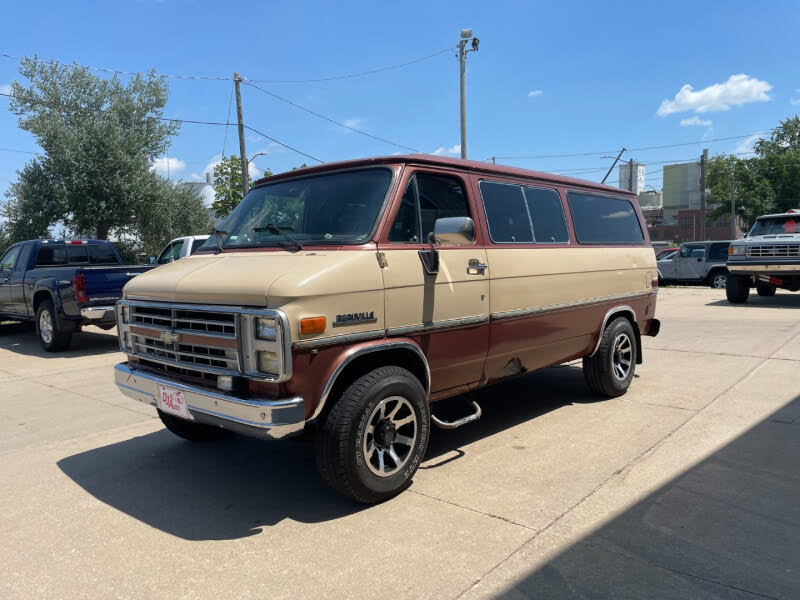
(312, 325)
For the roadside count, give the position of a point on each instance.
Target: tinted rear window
(77, 254)
(102, 254)
(604, 220)
(547, 215)
(51, 255)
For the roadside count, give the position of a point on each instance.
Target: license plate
(172, 401)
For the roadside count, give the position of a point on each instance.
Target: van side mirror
(450, 231)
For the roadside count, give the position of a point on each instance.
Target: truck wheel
(737, 288)
(189, 430)
(718, 279)
(375, 436)
(51, 335)
(610, 371)
(765, 290)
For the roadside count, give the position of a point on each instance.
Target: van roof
(445, 161)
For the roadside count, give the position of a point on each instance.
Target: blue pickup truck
(62, 285)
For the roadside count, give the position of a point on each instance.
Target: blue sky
(549, 78)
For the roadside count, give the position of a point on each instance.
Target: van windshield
(330, 208)
(776, 226)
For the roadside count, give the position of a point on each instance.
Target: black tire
(718, 279)
(601, 371)
(765, 290)
(737, 288)
(49, 330)
(189, 430)
(344, 458)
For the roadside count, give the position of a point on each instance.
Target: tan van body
(492, 311)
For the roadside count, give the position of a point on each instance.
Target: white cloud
(442, 150)
(691, 121)
(5, 88)
(354, 122)
(746, 145)
(534, 93)
(167, 165)
(254, 138)
(795, 101)
(738, 90)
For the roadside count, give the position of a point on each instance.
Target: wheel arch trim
(621, 309)
(362, 351)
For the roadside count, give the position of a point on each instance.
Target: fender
(622, 309)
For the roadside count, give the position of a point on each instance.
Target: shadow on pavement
(727, 528)
(779, 300)
(21, 338)
(234, 488)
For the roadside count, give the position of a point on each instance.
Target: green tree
(100, 138)
(769, 182)
(228, 185)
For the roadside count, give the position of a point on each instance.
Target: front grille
(774, 251)
(197, 339)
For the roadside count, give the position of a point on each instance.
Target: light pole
(466, 34)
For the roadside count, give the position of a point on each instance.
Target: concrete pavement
(686, 487)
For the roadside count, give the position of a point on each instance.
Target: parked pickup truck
(62, 285)
(696, 262)
(768, 257)
(350, 297)
(180, 248)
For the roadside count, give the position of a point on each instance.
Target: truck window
(427, 197)
(102, 254)
(693, 251)
(718, 251)
(10, 259)
(604, 220)
(506, 212)
(77, 254)
(49, 256)
(547, 215)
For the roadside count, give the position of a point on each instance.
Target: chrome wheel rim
(622, 356)
(46, 327)
(390, 436)
(720, 280)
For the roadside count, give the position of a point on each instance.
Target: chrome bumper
(744, 267)
(106, 313)
(265, 419)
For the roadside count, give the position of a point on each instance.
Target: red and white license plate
(172, 401)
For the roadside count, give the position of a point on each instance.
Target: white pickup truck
(180, 248)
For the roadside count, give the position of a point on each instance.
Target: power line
(316, 114)
(287, 146)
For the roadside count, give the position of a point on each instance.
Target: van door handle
(476, 267)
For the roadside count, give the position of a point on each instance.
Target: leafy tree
(769, 182)
(228, 185)
(100, 138)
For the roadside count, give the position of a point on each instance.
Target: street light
(466, 34)
(256, 156)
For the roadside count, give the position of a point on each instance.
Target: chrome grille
(162, 335)
(773, 251)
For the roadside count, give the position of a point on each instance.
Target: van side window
(428, 197)
(547, 215)
(604, 220)
(506, 212)
(51, 255)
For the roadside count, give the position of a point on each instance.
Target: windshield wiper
(277, 230)
(217, 233)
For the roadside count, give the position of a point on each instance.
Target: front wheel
(375, 436)
(50, 333)
(737, 288)
(610, 371)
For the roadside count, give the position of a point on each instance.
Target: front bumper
(763, 267)
(265, 419)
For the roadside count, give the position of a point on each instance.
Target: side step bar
(454, 424)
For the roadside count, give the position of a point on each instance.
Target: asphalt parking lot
(686, 487)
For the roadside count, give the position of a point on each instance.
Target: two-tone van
(350, 297)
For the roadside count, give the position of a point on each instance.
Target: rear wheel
(718, 279)
(50, 333)
(765, 290)
(375, 436)
(189, 430)
(610, 371)
(737, 288)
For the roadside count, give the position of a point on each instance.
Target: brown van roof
(444, 161)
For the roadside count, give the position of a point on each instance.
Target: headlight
(736, 250)
(126, 314)
(266, 329)
(268, 362)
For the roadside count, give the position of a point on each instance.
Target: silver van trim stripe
(477, 320)
(339, 339)
(524, 312)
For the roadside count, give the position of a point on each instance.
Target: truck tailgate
(104, 283)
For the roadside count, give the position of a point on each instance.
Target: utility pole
(614, 164)
(703, 166)
(630, 171)
(462, 62)
(242, 151)
(733, 207)
(493, 160)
